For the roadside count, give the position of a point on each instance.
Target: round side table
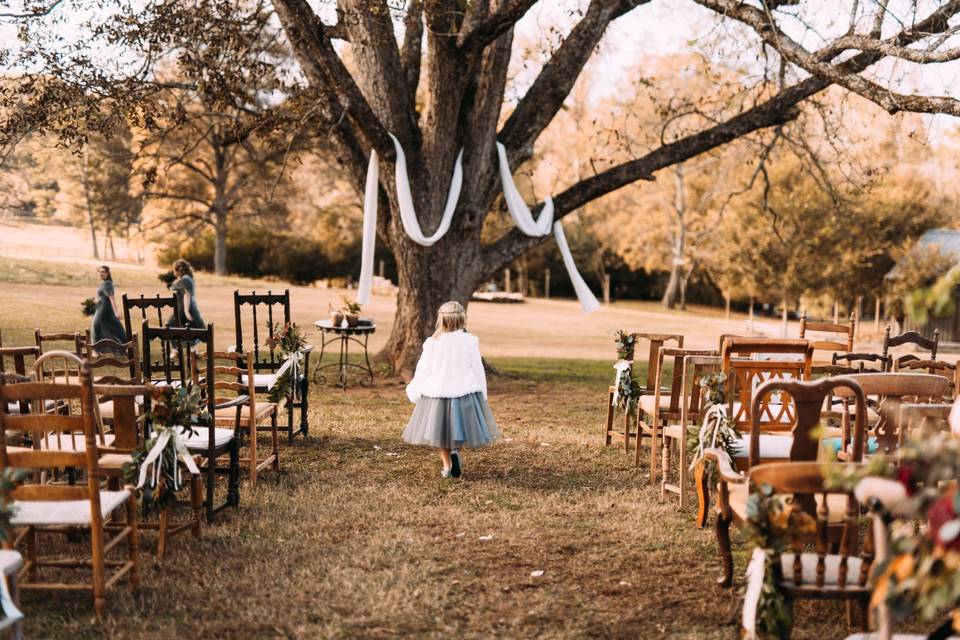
(330, 334)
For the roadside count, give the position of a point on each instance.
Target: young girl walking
(450, 390)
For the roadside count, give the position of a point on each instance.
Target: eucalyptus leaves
(288, 343)
(627, 389)
(173, 415)
(717, 430)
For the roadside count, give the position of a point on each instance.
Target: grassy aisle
(359, 537)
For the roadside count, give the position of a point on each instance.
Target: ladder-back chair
(656, 341)
(237, 399)
(909, 338)
(85, 506)
(808, 398)
(255, 316)
(72, 341)
(830, 336)
(158, 310)
(178, 369)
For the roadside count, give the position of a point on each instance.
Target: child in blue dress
(449, 388)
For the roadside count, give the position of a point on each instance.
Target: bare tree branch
(38, 13)
(551, 88)
(412, 42)
(494, 26)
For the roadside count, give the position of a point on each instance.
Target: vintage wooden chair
(18, 361)
(68, 341)
(664, 406)
(847, 363)
(839, 339)
(948, 370)
(909, 338)
(693, 400)
(122, 367)
(838, 567)
(263, 311)
(891, 390)
(44, 507)
(656, 341)
(158, 310)
(233, 383)
(130, 429)
(808, 398)
(213, 443)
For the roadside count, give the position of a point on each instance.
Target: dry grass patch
(359, 537)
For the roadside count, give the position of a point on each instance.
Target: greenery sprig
(717, 429)
(10, 478)
(775, 525)
(169, 408)
(167, 278)
(88, 307)
(626, 344)
(288, 340)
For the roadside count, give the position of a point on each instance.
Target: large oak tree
(441, 88)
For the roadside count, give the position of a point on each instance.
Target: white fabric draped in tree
(408, 215)
(519, 211)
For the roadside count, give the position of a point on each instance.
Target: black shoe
(454, 464)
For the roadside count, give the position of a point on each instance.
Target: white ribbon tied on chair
(293, 364)
(153, 459)
(751, 600)
(621, 366)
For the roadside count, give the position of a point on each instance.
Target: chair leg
(96, 560)
(304, 404)
(252, 446)
(626, 432)
(609, 428)
(211, 477)
(289, 422)
(196, 503)
(664, 463)
(275, 435)
(32, 551)
(703, 495)
(682, 471)
(134, 542)
(233, 484)
(164, 530)
(722, 526)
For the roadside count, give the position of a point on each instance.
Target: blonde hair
(182, 268)
(450, 317)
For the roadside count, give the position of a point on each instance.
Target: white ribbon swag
(408, 217)
(154, 460)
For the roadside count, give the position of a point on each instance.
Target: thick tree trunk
(219, 208)
(675, 286)
(220, 245)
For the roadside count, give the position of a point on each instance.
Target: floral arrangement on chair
(913, 487)
(627, 389)
(717, 430)
(173, 415)
(288, 343)
(774, 526)
(8, 482)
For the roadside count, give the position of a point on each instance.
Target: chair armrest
(724, 466)
(307, 348)
(239, 401)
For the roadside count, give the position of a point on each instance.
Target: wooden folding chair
(172, 349)
(265, 310)
(237, 381)
(46, 507)
(656, 342)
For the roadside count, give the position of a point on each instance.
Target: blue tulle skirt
(452, 423)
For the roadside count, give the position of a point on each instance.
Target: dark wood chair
(258, 313)
(18, 361)
(948, 370)
(693, 405)
(808, 399)
(233, 383)
(656, 341)
(909, 338)
(838, 565)
(847, 363)
(72, 341)
(84, 506)
(172, 348)
(158, 310)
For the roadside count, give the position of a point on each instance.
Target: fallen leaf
(537, 573)
(485, 538)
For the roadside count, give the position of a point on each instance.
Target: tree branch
(494, 26)
(551, 88)
(412, 41)
(39, 13)
(766, 28)
(327, 72)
